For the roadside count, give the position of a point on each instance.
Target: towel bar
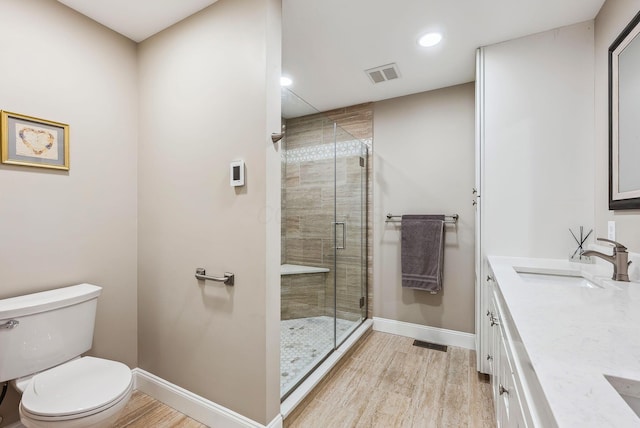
(228, 277)
(453, 218)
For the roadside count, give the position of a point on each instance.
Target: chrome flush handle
(9, 324)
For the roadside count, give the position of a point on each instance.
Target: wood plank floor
(143, 411)
(387, 382)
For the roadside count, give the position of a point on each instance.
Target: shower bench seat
(288, 269)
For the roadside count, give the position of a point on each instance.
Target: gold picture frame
(30, 141)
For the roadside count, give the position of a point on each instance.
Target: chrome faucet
(619, 260)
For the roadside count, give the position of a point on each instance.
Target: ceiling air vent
(383, 73)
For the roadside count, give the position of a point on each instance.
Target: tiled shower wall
(308, 210)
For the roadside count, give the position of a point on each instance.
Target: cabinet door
(516, 416)
(486, 304)
(503, 380)
(482, 344)
(509, 411)
(493, 352)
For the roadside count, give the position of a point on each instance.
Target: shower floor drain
(430, 345)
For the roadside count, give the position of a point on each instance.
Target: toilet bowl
(42, 338)
(85, 392)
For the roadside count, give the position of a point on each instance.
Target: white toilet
(42, 336)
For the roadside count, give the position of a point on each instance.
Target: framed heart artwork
(30, 141)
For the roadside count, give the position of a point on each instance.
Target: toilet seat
(76, 389)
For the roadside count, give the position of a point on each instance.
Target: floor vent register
(430, 345)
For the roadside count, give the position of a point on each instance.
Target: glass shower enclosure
(323, 276)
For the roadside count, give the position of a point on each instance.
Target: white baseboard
(425, 333)
(193, 405)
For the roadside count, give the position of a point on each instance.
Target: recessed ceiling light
(285, 81)
(430, 39)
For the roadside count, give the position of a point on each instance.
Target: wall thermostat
(236, 173)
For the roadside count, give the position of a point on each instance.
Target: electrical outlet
(611, 230)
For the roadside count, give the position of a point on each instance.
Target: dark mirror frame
(618, 204)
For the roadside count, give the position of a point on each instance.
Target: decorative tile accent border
(325, 151)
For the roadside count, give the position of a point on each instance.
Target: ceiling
(327, 44)
(137, 19)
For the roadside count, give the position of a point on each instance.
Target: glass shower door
(323, 263)
(349, 233)
(308, 207)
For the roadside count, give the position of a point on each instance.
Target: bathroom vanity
(564, 344)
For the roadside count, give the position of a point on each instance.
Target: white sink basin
(541, 278)
(629, 390)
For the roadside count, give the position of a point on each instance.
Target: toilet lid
(78, 387)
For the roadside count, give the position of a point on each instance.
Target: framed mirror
(624, 119)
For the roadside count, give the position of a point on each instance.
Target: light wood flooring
(387, 382)
(143, 411)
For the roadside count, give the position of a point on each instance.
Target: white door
(482, 296)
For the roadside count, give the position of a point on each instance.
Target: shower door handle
(344, 234)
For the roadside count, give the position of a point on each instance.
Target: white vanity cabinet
(559, 347)
(518, 398)
(510, 409)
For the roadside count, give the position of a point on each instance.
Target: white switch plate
(236, 173)
(611, 230)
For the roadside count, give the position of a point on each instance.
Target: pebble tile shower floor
(303, 342)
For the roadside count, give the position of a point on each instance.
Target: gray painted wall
(206, 99)
(201, 93)
(63, 228)
(424, 164)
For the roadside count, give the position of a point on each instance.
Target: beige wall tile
(312, 198)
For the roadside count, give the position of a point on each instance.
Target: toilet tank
(52, 327)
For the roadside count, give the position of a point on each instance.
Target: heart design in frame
(37, 140)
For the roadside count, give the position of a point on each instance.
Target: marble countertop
(576, 335)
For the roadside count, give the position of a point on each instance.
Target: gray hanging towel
(422, 252)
